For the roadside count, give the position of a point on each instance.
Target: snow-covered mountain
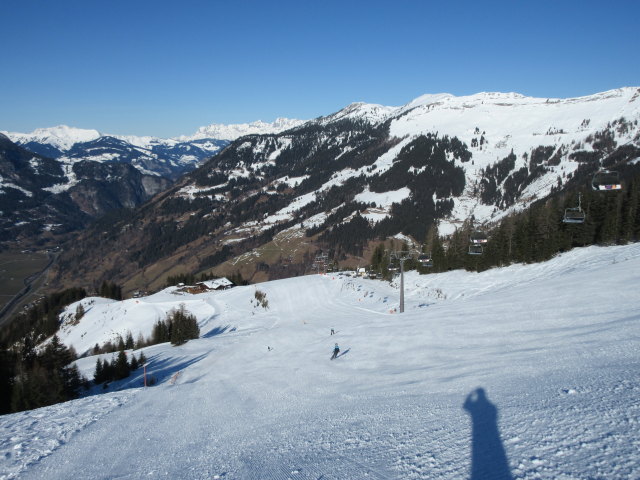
(169, 158)
(550, 138)
(166, 157)
(370, 172)
(554, 133)
(40, 195)
(56, 139)
(527, 372)
(235, 131)
(78, 152)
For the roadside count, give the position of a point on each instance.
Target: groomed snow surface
(552, 346)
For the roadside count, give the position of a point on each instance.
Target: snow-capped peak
(61, 136)
(427, 99)
(234, 131)
(64, 137)
(370, 112)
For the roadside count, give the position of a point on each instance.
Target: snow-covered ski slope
(553, 346)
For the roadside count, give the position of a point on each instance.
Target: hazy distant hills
(267, 202)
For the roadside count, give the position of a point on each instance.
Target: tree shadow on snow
(163, 370)
(488, 456)
(217, 331)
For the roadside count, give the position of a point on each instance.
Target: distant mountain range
(169, 158)
(57, 179)
(234, 131)
(41, 196)
(266, 203)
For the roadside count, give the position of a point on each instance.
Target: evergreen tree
(73, 382)
(46, 378)
(98, 376)
(431, 238)
(121, 366)
(110, 290)
(438, 255)
(236, 279)
(8, 362)
(128, 343)
(108, 372)
(378, 261)
(140, 342)
(160, 332)
(134, 364)
(184, 326)
(79, 312)
(31, 388)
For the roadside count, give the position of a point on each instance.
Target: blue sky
(166, 68)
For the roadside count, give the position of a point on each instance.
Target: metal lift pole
(401, 256)
(402, 285)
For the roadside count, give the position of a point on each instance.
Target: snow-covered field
(527, 372)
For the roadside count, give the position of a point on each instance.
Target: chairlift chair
(425, 260)
(475, 249)
(606, 180)
(478, 237)
(393, 267)
(574, 214)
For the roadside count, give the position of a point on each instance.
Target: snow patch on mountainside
(293, 181)
(4, 184)
(191, 192)
(70, 175)
(287, 212)
(383, 200)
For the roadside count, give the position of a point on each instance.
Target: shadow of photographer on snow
(488, 457)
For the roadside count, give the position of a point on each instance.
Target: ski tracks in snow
(588, 430)
(28, 437)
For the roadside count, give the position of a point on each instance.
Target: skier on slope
(336, 351)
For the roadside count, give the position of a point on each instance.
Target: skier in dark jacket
(336, 351)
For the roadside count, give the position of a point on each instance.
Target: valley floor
(527, 372)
